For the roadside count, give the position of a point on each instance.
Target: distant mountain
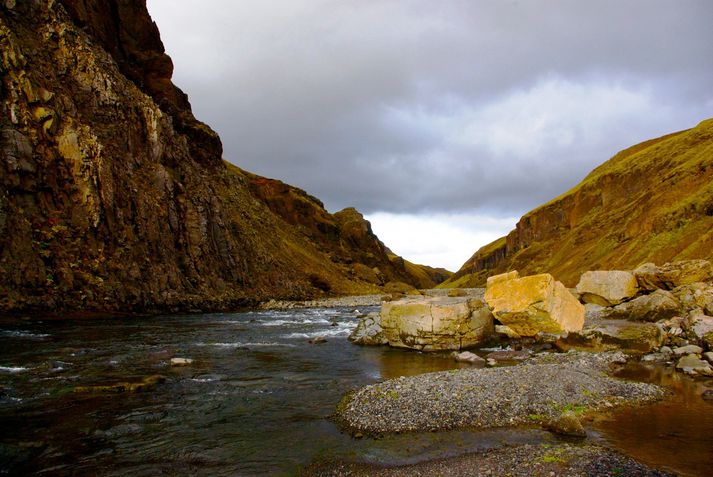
(651, 202)
(115, 198)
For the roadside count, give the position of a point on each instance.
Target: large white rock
(533, 304)
(436, 323)
(607, 287)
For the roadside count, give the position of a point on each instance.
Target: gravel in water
(525, 461)
(537, 390)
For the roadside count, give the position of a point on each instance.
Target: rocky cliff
(652, 202)
(114, 197)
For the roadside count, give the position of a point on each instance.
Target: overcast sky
(442, 121)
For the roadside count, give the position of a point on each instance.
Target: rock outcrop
(113, 197)
(533, 304)
(652, 202)
(436, 323)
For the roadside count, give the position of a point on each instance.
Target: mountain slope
(650, 202)
(114, 197)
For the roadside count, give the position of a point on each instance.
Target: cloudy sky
(443, 122)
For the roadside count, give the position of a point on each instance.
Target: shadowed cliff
(114, 197)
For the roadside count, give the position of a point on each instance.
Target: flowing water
(257, 399)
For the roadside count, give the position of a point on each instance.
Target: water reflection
(675, 434)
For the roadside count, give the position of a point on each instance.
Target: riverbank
(534, 392)
(526, 461)
(331, 302)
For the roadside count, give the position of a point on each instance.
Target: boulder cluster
(665, 311)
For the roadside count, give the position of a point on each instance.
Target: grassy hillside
(650, 202)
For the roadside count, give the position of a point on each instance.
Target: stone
(507, 331)
(708, 356)
(701, 329)
(533, 304)
(567, 424)
(666, 350)
(318, 340)
(491, 362)
(615, 334)
(509, 355)
(659, 305)
(369, 331)
(607, 287)
(655, 357)
(436, 323)
(691, 361)
(694, 296)
(707, 395)
(181, 361)
(690, 349)
(468, 357)
(674, 274)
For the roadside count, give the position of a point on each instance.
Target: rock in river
(369, 331)
(533, 304)
(436, 323)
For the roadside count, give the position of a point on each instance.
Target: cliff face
(114, 197)
(651, 202)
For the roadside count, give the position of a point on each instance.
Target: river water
(256, 400)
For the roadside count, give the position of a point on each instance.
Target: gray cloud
(399, 106)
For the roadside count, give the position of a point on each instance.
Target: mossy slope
(650, 202)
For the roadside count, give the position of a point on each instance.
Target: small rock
(181, 361)
(507, 331)
(655, 357)
(491, 362)
(666, 350)
(468, 357)
(707, 395)
(708, 356)
(690, 349)
(318, 340)
(568, 424)
(691, 361)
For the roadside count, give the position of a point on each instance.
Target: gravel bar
(537, 390)
(520, 461)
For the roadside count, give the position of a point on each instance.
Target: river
(256, 400)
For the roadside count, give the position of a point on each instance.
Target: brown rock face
(114, 197)
(652, 202)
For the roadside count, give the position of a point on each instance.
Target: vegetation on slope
(650, 202)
